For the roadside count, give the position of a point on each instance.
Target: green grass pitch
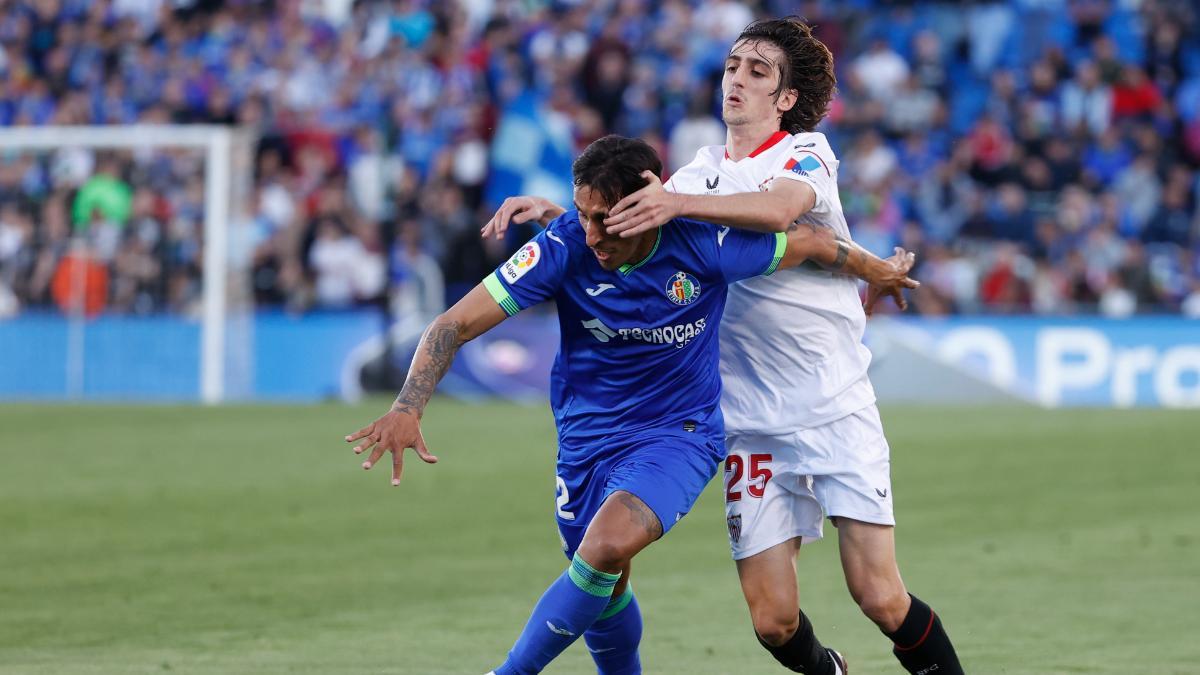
(248, 540)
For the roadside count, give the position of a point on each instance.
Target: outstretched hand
(394, 432)
(902, 262)
(644, 210)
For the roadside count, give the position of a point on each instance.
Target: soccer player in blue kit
(635, 387)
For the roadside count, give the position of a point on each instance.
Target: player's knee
(775, 627)
(886, 607)
(604, 554)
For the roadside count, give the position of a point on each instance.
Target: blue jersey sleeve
(535, 272)
(742, 254)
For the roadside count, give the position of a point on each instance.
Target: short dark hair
(807, 67)
(613, 166)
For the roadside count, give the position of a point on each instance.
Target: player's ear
(787, 100)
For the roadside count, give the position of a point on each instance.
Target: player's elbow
(788, 205)
(780, 222)
(782, 217)
(452, 324)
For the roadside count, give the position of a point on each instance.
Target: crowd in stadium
(1041, 156)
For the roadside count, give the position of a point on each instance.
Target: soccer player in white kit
(803, 434)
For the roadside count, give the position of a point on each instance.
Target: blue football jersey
(639, 345)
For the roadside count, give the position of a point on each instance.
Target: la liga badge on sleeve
(522, 261)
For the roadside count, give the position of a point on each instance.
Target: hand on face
(611, 250)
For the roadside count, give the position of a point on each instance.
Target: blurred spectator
(1063, 162)
(992, 149)
(1139, 188)
(1134, 95)
(606, 74)
(560, 46)
(870, 161)
(693, 132)
(1106, 158)
(1086, 100)
(943, 201)
(1172, 222)
(913, 108)
(104, 196)
(881, 70)
(416, 287)
(929, 64)
(722, 20)
(1190, 307)
(339, 261)
(16, 256)
(1009, 216)
(1005, 284)
(370, 171)
(988, 27)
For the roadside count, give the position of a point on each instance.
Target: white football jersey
(792, 355)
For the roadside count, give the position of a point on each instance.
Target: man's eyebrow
(753, 59)
(582, 212)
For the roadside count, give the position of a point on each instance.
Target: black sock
(802, 653)
(921, 644)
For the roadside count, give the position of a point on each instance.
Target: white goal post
(228, 153)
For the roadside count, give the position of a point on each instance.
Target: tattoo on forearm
(440, 343)
(641, 514)
(842, 254)
(815, 227)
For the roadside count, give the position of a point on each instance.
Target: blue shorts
(666, 470)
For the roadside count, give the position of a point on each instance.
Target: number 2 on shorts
(563, 498)
(756, 484)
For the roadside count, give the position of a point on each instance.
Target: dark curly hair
(807, 68)
(613, 166)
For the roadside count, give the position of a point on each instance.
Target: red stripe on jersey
(775, 138)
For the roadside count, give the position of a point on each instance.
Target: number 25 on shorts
(756, 480)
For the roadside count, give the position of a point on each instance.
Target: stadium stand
(1040, 155)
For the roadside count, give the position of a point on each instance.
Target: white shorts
(780, 487)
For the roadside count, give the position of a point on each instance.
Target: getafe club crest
(683, 289)
(735, 528)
